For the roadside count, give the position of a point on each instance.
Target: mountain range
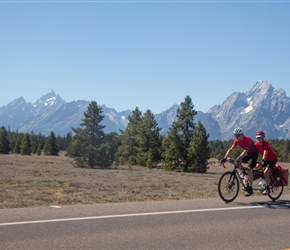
(261, 107)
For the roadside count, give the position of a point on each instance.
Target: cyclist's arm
(228, 152)
(265, 153)
(241, 156)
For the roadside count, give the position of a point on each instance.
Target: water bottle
(246, 179)
(242, 175)
(262, 183)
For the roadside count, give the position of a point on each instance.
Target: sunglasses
(237, 136)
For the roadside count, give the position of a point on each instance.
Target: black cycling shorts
(271, 164)
(251, 159)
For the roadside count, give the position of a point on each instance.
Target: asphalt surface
(247, 223)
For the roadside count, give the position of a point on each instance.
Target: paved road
(248, 223)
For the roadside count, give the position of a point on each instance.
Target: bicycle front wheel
(228, 186)
(275, 191)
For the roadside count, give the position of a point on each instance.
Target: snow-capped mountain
(52, 113)
(261, 107)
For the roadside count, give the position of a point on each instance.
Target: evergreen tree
(25, 147)
(12, 140)
(33, 147)
(17, 145)
(199, 149)
(179, 137)
(85, 146)
(109, 148)
(277, 148)
(149, 159)
(286, 151)
(39, 150)
(66, 140)
(51, 147)
(148, 140)
(126, 153)
(4, 141)
(74, 149)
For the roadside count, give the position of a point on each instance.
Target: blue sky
(146, 54)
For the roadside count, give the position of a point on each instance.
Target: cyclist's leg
(249, 191)
(259, 167)
(252, 160)
(252, 164)
(266, 174)
(269, 166)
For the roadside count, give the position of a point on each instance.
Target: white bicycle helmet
(238, 131)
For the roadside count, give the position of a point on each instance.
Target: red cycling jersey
(246, 144)
(266, 146)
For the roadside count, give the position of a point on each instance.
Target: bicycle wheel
(275, 191)
(228, 186)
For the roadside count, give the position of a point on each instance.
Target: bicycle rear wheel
(275, 191)
(228, 186)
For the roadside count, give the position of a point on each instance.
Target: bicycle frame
(256, 175)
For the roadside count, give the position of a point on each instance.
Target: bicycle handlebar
(228, 160)
(223, 164)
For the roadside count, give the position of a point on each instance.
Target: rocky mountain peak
(261, 107)
(48, 101)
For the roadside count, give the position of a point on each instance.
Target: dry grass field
(27, 181)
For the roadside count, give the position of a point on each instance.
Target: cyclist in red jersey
(250, 154)
(269, 157)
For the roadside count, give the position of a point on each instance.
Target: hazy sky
(146, 54)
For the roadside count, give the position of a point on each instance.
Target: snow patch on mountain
(247, 110)
(50, 101)
(261, 107)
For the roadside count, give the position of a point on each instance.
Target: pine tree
(179, 137)
(39, 150)
(286, 151)
(149, 159)
(51, 147)
(74, 148)
(4, 141)
(199, 149)
(126, 153)
(17, 146)
(85, 146)
(148, 140)
(109, 148)
(68, 139)
(25, 147)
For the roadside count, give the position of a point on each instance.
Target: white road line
(126, 215)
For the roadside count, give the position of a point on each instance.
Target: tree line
(30, 143)
(185, 147)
